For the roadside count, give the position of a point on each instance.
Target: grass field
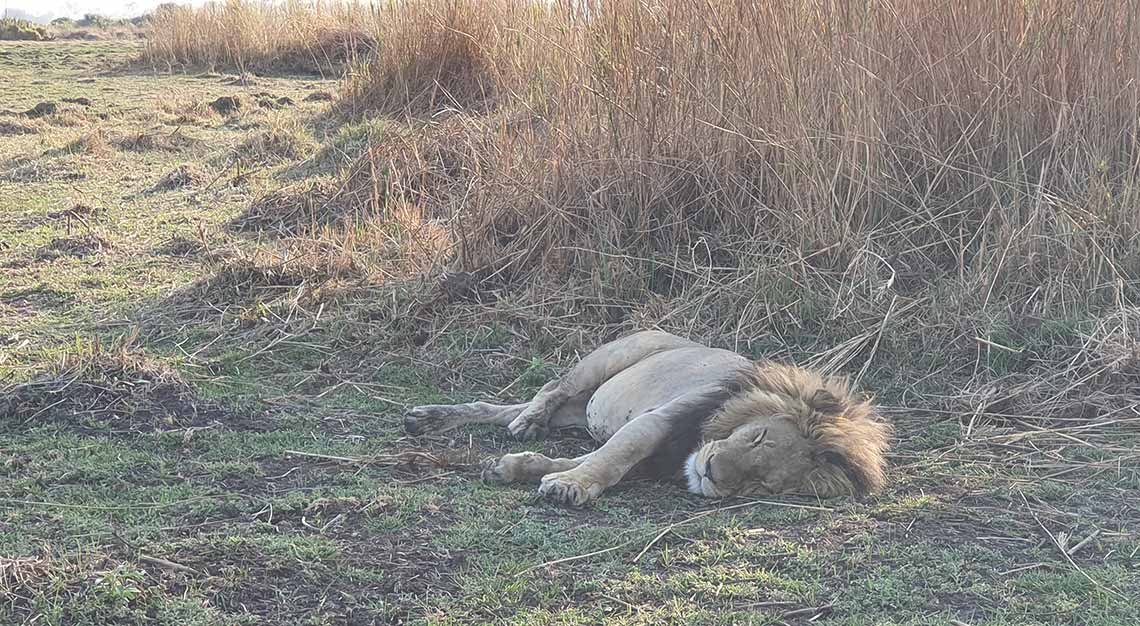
(206, 348)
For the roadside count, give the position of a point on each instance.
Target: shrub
(22, 30)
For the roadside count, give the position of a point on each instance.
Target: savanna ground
(206, 347)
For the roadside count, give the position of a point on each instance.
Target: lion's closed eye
(760, 438)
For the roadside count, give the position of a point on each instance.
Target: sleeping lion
(668, 408)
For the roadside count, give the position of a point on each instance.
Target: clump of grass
(96, 143)
(78, 246)
(858, 153)
(94, 388)
(185, 175)
(431, 55)
(885, 181)
(284, 140)
(22, 30)
(296, 209)
(152, 140)
(179, 246)
(95, 27)
(1089, 375)
(183, 112)
(266, 37)
(27, 170)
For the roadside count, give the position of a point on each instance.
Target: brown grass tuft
(157, 139)
(247, 36)
(297, 209)
(79, 246)
(185, 175)
(431, 56)
(284, 140)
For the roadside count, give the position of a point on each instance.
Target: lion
(665, 407)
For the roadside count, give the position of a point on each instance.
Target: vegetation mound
(296, 209)
(8, 129)
(78, 246)
(98, 390)
(22, 30)
(185, 175)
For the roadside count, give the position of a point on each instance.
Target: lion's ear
(825, 402)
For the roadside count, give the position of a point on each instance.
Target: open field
(211, 320)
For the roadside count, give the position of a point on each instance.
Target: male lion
(666, 407)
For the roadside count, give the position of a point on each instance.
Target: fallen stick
(163, 563)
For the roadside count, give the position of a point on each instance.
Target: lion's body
(667, 407)
(655, 381)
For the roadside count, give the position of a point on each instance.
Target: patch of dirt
(250, 579)
(226, 105)
(81, 101)
(319, 96)
(78, 247)
(113, 392)
(185, 175)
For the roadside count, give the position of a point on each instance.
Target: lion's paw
(427, 419)
(515, 468)
(500, 471)
(566, 489)
(530, 424)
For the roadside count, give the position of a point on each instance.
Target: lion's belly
(653, 382)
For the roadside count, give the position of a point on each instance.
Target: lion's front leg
(608, 465)
(525, 467)
(632, 444)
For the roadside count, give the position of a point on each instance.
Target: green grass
(219, 523)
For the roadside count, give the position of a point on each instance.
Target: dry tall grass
(293, 36)
(920, 177)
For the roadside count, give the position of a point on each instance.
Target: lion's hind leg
(576, 387)
(440, 418)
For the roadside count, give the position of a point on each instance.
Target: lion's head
(790, 430)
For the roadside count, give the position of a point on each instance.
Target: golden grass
(257, 36)
(928, 170)
(991, 141)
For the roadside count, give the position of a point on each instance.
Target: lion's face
(766, 456)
